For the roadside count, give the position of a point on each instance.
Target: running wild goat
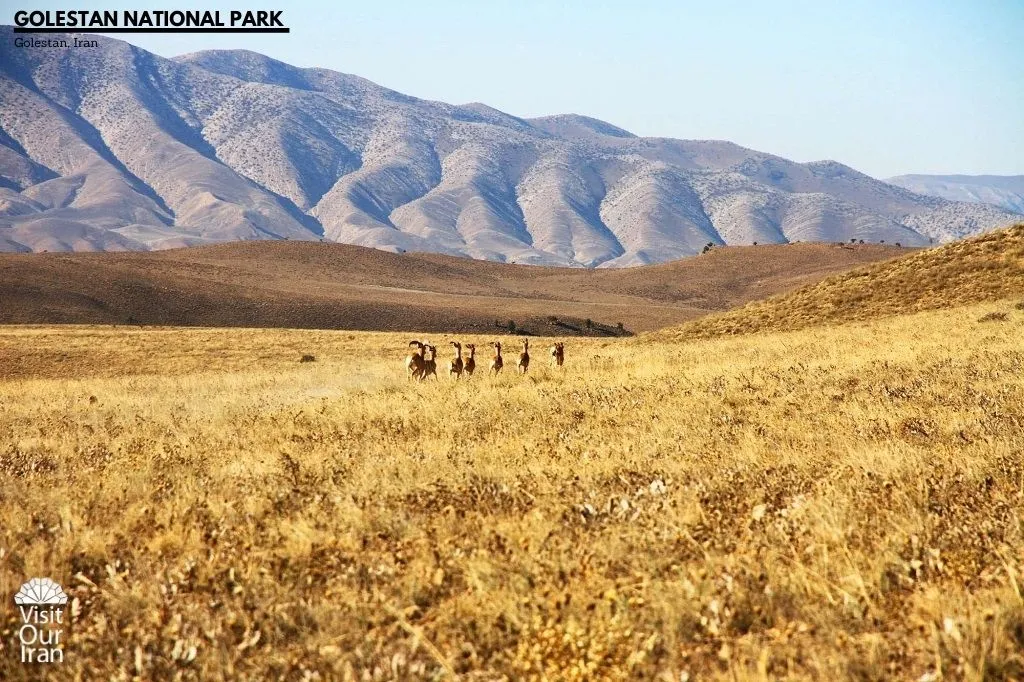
(421, 363)
(430, 364)
(524, 357)
(415, 363)
(497, 363)
(558, 353)
(456, 366)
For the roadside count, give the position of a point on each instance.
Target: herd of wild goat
(422, 362)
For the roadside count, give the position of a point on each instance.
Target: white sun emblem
(41, 591)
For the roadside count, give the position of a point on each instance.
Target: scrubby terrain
(841, 502)
(983, 268)
(332, 286)
(114, 148)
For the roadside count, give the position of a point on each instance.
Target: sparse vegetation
(994, 316)
(281, 523)
(984, 268)
(307, 358)
(335, 286)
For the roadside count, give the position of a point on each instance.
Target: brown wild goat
(470, 365)
(497, 363)
(524, 357)
(430, 364)
(415, 363)
(558, 353)
(456, 366)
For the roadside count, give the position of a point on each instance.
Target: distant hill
(336, 286)
(984, 268)
(114, 148)
(1003, 191)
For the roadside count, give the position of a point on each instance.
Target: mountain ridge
(1003, 191)
(115, 148)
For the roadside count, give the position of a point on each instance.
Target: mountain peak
(565, 125)
(117, 148)
(248, 66)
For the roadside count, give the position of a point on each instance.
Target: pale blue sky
(912, 87)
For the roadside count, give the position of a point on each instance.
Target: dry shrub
(994, 317)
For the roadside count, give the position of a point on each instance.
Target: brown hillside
(336, 286)
(984, 268)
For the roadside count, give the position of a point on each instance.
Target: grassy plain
(839, 502)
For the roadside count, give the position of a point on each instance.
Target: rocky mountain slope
(1003, 191)
(115, 148)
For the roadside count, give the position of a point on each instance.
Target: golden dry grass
(835, 503)
(984, 268)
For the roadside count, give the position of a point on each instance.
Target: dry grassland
(984, 268)
(835, 503)
(308, 285)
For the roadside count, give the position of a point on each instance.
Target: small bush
(1019, 306)
(307, 358)
(512, 326)
(993, 317)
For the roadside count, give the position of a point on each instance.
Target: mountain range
(1003, 191)
(115, 148)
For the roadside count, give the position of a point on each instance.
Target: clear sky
(917, 86)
